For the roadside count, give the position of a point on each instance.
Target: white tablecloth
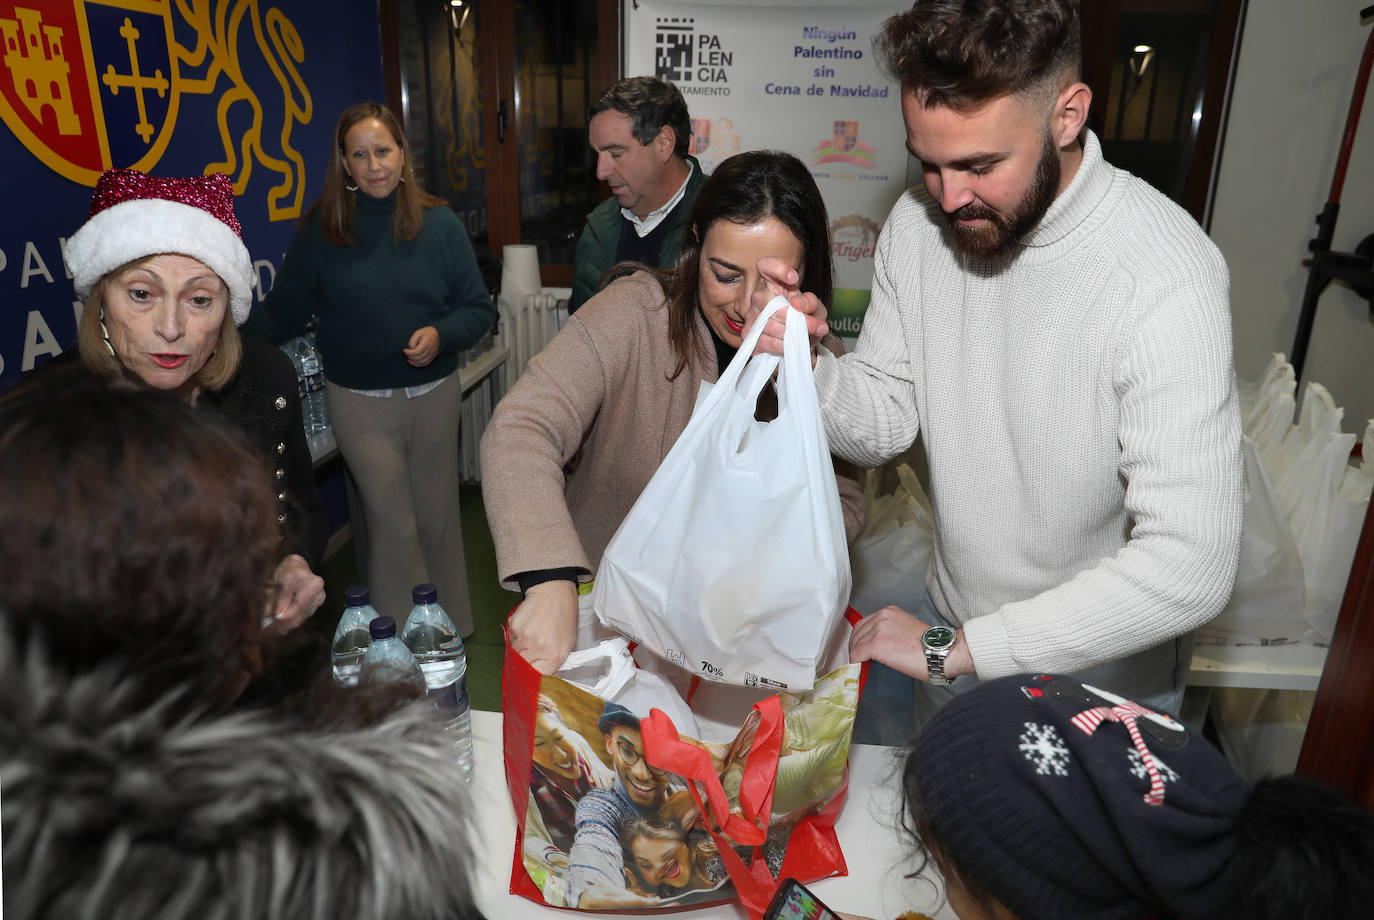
(868, 831)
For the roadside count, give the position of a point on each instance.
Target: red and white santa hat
(135, 215)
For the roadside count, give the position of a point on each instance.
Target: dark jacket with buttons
(263, 400)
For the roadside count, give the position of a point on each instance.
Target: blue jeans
(894, 706)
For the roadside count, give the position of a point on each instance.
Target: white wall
(1293, 85)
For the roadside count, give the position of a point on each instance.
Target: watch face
(938, 637)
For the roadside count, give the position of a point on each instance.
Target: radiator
(523, 329)
(477, 406)
(527, 327)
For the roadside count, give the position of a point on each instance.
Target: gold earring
(105, 334)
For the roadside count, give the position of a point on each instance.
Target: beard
(1002, 234)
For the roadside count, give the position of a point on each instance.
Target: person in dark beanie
(1043, 798)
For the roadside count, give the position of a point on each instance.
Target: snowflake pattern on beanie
(1045, 750)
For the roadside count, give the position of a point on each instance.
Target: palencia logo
(684, 56)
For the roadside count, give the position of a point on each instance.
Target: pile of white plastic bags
(1305, 503)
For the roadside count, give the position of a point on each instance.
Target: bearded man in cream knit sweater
(1060, 333)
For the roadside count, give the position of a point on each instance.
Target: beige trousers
(403, 454)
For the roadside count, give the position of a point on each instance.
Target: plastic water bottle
(387, 659)
(431, 635)
(310, 377)
(351, 637)
(291, 352)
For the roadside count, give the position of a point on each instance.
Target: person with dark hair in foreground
(617, 385)
(138, 538)
(1044, 798)
(1060, 334)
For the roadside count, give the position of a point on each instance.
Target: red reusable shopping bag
(699, 822)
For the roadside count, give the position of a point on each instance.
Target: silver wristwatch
(937, 642)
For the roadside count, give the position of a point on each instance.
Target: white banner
(794, 77)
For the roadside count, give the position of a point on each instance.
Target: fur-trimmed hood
(120, 811)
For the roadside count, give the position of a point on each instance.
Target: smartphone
(794, 901)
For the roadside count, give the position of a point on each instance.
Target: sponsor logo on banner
(701, 135)
(843, 146)
(86, 86)
(673, 49)
(713, 139)
(846, 317)
(697, 62)
(853, 238)
(845, 136)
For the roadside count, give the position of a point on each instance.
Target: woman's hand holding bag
(733, 563)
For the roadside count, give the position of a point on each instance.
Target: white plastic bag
(1266, 408)
(892, 552)
(1267, 602)
(1325, 525)
(733, 563)
(607, 670)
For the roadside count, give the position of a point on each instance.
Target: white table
(868, 831)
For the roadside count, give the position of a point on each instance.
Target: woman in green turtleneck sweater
(391, 274)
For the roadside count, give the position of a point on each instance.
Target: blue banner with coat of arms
(173, 88)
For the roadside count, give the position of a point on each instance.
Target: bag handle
(795, 377)
(612, 655)
(762, 366)
(664, 749)
(760, 369)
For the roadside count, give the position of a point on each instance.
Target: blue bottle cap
(382, 628)
(424, 594)
(356, 596)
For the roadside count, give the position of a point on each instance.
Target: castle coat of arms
(86, 85)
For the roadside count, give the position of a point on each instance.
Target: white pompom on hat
(134, 215)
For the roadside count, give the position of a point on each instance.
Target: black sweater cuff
(528, 580)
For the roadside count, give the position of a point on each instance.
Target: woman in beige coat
(573, 444)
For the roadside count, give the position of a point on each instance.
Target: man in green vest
(641, 133)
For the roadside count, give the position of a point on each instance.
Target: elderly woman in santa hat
(166, 281)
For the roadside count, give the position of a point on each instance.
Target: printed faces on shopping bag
(606, 829)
